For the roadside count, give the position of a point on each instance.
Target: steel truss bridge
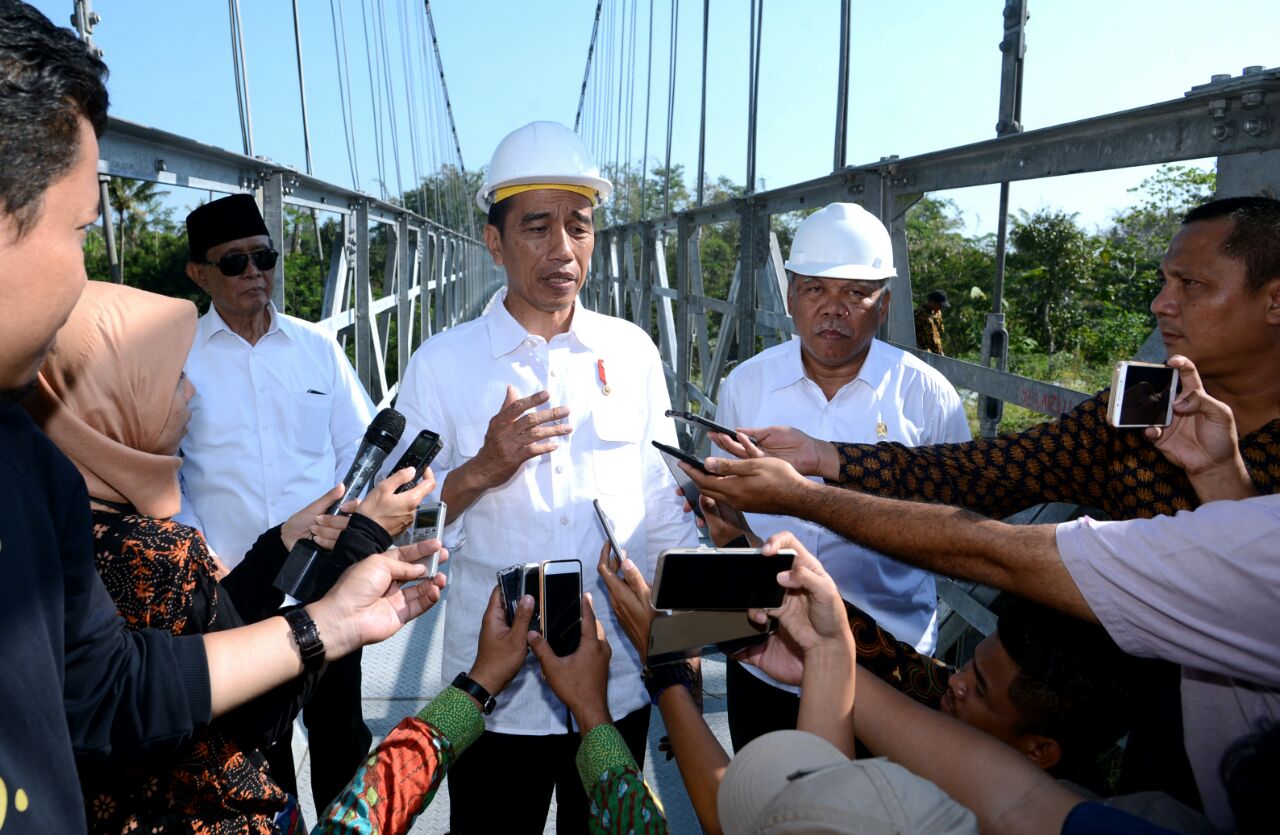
(437, 275)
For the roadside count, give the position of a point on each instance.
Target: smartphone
(671, 457)
(615, 552)
(719, 579)
(425, 447)
(1142, 394)
(680, 455)
(531, 576)
(704, 423)
(687, 634)
(561, 597)
(512, 586)
(428, 523)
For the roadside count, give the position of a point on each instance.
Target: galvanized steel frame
(431, 272)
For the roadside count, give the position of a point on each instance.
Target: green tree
(1050, 272)
(943, 258)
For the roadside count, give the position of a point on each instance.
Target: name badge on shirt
(882, 431)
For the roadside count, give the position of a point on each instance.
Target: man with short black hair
(75, 682)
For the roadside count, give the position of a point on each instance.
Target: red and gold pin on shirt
(604, 381)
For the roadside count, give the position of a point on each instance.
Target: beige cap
(792, 781)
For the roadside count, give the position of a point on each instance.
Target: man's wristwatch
(307, 637)
(662, 676)
(475, 690)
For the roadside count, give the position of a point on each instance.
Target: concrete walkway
(403, 674)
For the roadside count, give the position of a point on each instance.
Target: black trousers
(756, 707)
(337, 736)
(503, 782)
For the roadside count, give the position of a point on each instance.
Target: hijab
(105, 393)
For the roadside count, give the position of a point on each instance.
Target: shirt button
(564, 520)
(553, 373)
(559, 468)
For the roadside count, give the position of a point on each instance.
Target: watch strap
(307, 636)
(473, 688)
(658, 678)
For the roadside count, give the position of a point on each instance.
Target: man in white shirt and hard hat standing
(542, 406)
(835, 380)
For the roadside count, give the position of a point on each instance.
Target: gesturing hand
(501, 649)
(1202, 439)
(580, 680)
(517, 434)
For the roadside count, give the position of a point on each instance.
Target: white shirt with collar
(895, 397)
(454, 384)
(274, 426)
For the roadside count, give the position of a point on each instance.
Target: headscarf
(105, 393)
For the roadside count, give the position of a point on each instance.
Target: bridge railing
(433, 277)
(1236, 120)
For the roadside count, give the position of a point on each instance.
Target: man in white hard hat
(835, 379)
(578, 397)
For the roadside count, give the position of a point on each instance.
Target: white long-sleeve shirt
(454, 384)
(895, 397)
(274, 426)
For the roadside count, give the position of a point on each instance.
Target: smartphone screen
(562, 604)
(615, 552)
(1146, 394)
(710, 580)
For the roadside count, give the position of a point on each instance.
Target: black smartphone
(680, 455)
(704, 423)
(671, 457)
(513, 583)
(425, 447)
(615, 552)
(719, 579)
(562, 604)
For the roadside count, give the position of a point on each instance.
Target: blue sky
(924, 76)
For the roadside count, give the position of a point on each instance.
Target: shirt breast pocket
(306, 420)
(620, 432)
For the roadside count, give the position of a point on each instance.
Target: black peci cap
(226, 219)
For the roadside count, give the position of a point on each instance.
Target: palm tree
(135, 202)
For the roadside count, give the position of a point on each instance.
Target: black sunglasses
(235, 263)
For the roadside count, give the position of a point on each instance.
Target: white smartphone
(1142, 394)
(561, 603)
(428, 523)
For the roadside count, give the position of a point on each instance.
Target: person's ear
(493, 240)
(1272, 292)
(197, 276)
(1042, 750)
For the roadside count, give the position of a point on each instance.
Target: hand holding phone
(615, 550)
(425, 447)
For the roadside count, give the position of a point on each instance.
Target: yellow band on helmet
(511, 191)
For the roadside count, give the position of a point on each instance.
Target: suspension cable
(375, 102)
(671, 105)
(241, 77)
(586, 73)
(702, 118)
(384, 52)
(448, 107)
(648, 93)
(348, 127)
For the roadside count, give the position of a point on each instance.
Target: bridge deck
(403, 674)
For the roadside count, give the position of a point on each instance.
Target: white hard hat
(542, 153)
(842, 240)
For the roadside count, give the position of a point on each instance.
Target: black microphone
(307, 573)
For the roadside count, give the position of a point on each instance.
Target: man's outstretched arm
(1023, 559)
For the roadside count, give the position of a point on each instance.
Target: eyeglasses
(235, 263)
